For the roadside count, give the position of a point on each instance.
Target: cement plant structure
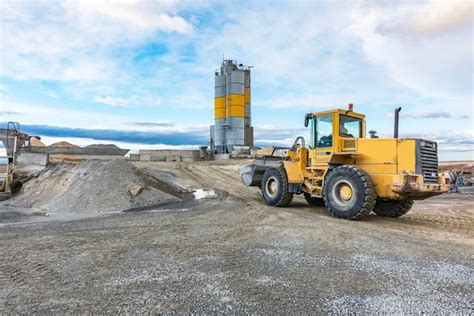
(232, 110)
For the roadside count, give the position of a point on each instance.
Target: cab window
(324, 131)
(350, 126)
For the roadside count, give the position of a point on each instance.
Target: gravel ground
(229, 253)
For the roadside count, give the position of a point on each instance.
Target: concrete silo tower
(232, 110)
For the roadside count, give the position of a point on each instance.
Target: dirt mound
(63, 145)
(92, 186)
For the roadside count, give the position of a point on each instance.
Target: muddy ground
(229, 253)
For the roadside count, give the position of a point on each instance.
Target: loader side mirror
(307, 117)
(373, 134)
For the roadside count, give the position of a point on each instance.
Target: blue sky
(140, 73)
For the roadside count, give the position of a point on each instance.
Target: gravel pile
(92, 186)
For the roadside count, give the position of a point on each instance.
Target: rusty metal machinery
(13, 141)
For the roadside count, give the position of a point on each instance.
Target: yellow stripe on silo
(247, 95)
(219, 102)
(235, 99)
(237, 110)
(219, 108)
(219, 113)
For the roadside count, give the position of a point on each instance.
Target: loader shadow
(302, 206)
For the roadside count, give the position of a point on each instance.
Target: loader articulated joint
(307, 117)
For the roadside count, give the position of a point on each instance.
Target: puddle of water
(201, 194)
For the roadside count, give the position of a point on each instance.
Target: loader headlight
(412, 179)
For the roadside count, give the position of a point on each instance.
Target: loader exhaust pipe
(397, 119)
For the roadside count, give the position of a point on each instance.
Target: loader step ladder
(317, 181)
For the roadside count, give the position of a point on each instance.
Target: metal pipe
(397, 118)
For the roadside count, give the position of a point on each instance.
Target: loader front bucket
(247, 174)
(252, 174)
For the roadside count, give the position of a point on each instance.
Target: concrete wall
(169, 155)
(134, 157)
(221, 156)
(37, 159)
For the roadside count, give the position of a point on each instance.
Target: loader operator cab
(325, 126)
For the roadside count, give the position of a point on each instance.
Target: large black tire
(349, 193)
(313, 200)
(15, 186)
(275, 187)
(392, 208)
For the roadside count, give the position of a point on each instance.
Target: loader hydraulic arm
(298, 140)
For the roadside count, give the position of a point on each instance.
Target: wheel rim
(343, 192)
(272, 186)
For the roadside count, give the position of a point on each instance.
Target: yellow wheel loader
(348, 173)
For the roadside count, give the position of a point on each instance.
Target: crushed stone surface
(231, 254)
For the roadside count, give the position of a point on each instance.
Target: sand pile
(92, 186)
(35, 142)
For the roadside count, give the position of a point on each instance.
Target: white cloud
(326, 53)
(3, 92)
(144, 14)
(282, 47)
(52, 94)
(8, 113)
(435, 17)
(151, 125)
(112, 101)
(74, 40)
(426, 47)
(430, 115)
(193, 99)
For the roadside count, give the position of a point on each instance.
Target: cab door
(322, 139)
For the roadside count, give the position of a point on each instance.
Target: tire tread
(370, 196)
(285, 197)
